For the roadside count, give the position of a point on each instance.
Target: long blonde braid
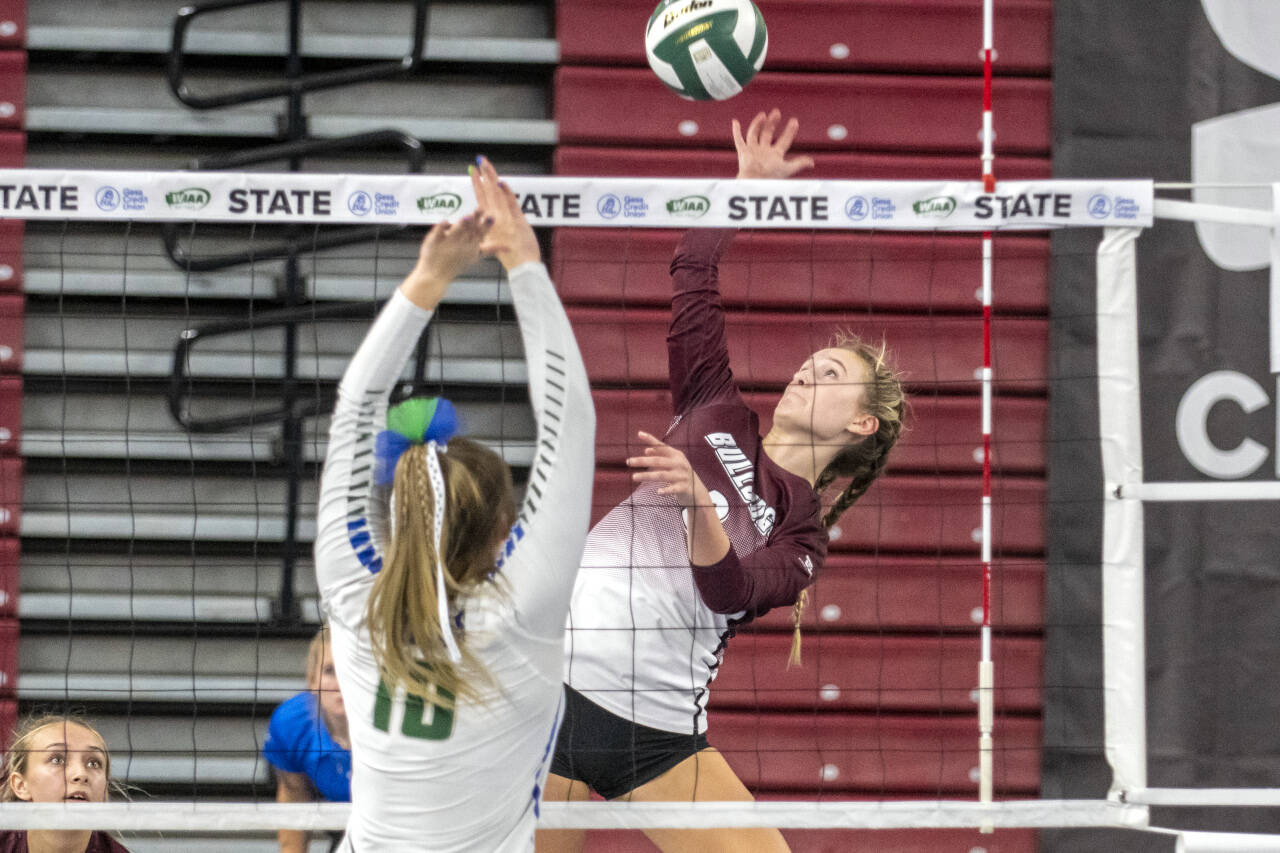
(863, 461)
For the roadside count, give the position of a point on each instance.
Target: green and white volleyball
(706, 49)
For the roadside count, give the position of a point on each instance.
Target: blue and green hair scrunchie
(414, 421)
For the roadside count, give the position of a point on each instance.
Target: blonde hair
(20, 750)
(402, 613)
(315, 657)
(864, 461)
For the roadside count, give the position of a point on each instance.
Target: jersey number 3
(422, 720)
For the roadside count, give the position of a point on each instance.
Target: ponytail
(403, 613)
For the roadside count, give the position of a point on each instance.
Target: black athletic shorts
(614, 755)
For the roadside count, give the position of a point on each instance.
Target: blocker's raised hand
(451, 247)
(447, 250)
(509, 236)
(762, 156)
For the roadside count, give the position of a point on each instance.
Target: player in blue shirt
(307, 743)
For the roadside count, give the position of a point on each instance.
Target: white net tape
(612, 202)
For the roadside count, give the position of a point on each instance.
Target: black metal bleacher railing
(296, 143)
(190, 611)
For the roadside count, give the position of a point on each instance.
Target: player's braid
(864, 461)
(797, 613)
(402, 611)
(425, 498)
(862, 468)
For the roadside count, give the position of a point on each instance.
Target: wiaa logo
(191, 198)
(689, 207)
(443, 203)
(940, 206)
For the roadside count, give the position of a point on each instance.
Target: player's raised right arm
(697, 352)
(760, 155)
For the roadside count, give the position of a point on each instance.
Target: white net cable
(221, 817)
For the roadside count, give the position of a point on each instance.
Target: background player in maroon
(57, 758)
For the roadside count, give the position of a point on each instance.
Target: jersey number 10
(422, 720)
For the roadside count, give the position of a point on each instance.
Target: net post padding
(940, 814)
(1123, 626)
(1274, 301)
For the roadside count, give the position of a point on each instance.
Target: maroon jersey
(15, 841)
(647, 629)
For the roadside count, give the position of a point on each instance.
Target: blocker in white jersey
(430, 773)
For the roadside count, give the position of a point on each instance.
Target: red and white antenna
(986, 670)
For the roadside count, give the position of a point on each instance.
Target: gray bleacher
(152, 562)
(66, 93)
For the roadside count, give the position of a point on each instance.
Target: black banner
(1177, 90)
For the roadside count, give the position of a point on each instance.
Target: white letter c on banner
(1192, 424)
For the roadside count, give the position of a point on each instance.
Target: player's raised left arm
(557, 506)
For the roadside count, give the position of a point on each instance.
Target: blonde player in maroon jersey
(724, 525)
(57, 758)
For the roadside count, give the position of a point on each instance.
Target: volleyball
(706, 49)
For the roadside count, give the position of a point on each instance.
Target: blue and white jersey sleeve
(541, 558)
(349, 520)
(553, 519)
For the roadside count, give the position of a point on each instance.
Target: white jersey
(641, 644)
(424, 779)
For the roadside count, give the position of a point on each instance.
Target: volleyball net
(183, 336)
